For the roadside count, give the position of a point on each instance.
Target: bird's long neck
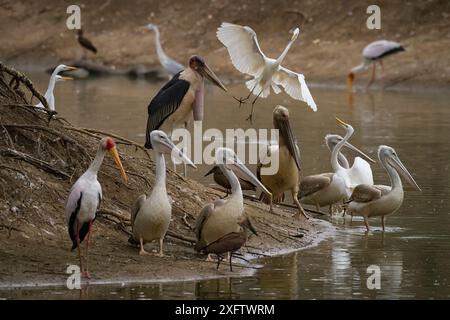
(160, 176)
(394, 177)
(236, 190)
(284, 53)
(337, 150)
(159, 49)
(51, 86)
(360, 67)
(343, 161)
(97, 162)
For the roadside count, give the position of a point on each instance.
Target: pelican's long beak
(350, 78)
(397, 164)
(211, 76)
(362, 154)
(66, 78)
(116, 158)
(284, 126)
(67, 68)
(243, 172)
(177, 153)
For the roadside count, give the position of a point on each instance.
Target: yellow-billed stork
(85, 198)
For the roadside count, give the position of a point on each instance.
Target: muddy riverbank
(333, 35)
(40, 160)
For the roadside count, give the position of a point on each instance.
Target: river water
(413, 255)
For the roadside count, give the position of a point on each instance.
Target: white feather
(243, 48)
(247, 57)
(294, 84)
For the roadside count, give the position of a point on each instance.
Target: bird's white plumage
(243, 47)
(295, 86)
(171, 66)
(360, 172)
(247, 57)
(91, 189)
(378, 48)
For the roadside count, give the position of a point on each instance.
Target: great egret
(247, 57)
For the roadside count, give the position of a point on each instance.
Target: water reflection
(413, 253)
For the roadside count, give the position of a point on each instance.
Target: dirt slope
(333, 34)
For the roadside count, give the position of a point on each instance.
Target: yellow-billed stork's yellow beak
(116, 158)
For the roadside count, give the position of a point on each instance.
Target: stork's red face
(109, 145)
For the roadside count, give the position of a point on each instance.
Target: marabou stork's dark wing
(164, 104)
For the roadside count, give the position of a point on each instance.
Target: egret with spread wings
(247, 57)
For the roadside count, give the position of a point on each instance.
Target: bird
(374, 52)
(247, 57)
(180, 99)
(171, 66)
(323, 189)
(49, 97)
(381, 200)
(85, 197)
(222, 180)
(221, 217)
(85, 42)
(287, 177)
(150, 216)
(231, 242)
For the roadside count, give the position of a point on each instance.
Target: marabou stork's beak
(206, 71)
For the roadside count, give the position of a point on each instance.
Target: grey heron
(171, 66)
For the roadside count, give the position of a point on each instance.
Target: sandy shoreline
(180, 270)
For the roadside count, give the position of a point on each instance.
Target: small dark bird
(230, 242)
(221, 180)
(85, 42)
